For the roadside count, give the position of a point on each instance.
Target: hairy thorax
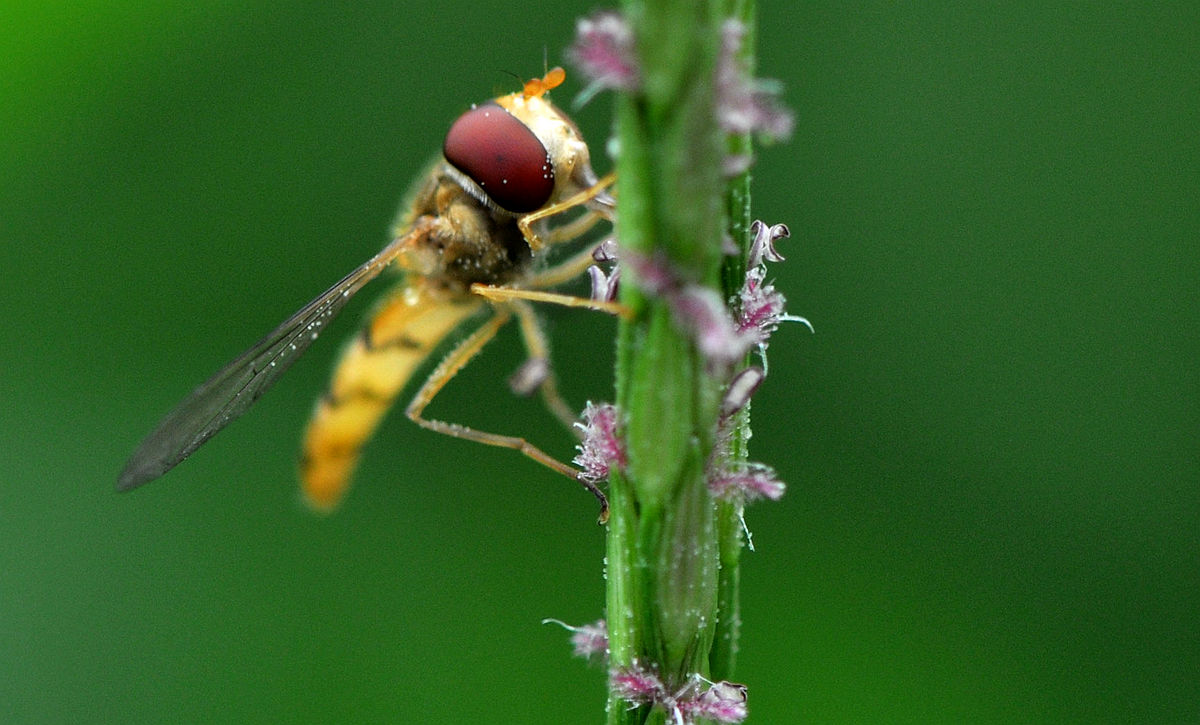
(462, 239)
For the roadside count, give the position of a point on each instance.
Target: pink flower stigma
(601, 448)
(588, 641)
(603, 52)
(746, 482)
(745, 104)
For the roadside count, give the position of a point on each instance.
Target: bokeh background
(991, 439)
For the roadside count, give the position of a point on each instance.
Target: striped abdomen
(371, 372)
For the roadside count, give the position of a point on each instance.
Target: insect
(471, 245)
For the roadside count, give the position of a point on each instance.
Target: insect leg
(539, 350)
(573, 229)
(564, 271)
(525, 223)
(509, 294)
(447, 369)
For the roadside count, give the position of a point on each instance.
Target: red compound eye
(503, 156)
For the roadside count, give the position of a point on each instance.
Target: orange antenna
(536, 87)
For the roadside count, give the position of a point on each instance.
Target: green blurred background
(991, 438)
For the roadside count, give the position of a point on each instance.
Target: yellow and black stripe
(373, 368)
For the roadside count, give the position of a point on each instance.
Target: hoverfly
(470, 242)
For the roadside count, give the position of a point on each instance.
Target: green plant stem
(664, 548)
(733, 271)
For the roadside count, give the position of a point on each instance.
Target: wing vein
(226, 395)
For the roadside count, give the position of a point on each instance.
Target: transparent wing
(233, 389)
